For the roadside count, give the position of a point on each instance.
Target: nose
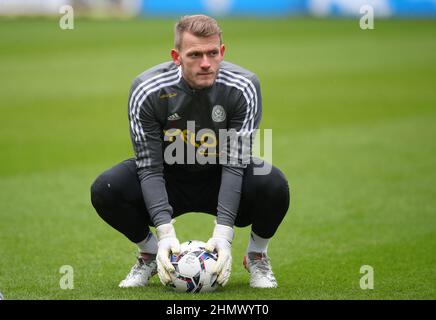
(205, 64)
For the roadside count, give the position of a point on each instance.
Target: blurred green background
(353, 115)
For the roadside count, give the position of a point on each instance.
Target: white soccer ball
(193, 268)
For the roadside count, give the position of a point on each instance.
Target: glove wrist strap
(165, 231)
(224, 232)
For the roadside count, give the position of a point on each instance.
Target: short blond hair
(199, 25)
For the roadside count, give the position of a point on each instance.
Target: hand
(221, 241)
(167, 244)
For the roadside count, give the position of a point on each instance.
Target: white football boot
(141, 272)
(259, 267)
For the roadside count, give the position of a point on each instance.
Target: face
(199, 58)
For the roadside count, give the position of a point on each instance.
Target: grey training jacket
(164, 110)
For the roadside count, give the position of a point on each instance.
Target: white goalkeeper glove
(168, 243)
(221, 241)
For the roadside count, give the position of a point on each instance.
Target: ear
(222, 49)
(176, 57)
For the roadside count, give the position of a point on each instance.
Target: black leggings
(117, 197)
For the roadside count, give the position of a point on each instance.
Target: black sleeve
(146, 136)
(245, 121)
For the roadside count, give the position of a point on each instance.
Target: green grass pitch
(353, 115)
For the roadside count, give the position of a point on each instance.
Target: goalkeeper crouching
(191, 99)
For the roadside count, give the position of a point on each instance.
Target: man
(174, 102)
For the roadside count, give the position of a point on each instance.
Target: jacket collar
(185, 86)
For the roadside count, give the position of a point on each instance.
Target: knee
(100, 192)
(275, 186)
(275, 182)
